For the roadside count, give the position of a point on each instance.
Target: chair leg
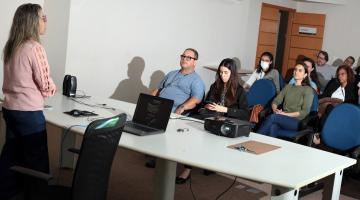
(310, 139)
(19, 196)
(35, 189)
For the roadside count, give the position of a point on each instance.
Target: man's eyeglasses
(321, 58)
(187, 58)
(44, 18)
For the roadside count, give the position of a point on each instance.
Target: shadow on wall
(156, 77)
(238, 67)
(129, 89)
(237, 62)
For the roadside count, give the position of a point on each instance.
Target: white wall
(55, 39)
(97, 41)
(342, 30)
(105, 36)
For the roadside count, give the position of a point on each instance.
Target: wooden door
(269, 30)
(269, 23)
(297, 43)
(303, 43)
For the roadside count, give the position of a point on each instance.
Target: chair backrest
(281, 81)
(194, 111)
(315, 103)
(96, 155)
(261, 92)
(341, 130)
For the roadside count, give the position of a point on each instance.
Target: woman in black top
(226, 97)
(342, 87)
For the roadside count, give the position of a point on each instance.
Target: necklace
(176, 79)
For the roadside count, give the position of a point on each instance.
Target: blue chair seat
(261, 92)
(341, 130)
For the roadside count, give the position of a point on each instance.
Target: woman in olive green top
(296, 102)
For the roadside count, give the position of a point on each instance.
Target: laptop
(151, 115)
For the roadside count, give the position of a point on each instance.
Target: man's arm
(197, 95)
(154, 92)
(187, 105)
(161, 85)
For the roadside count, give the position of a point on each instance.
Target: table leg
(165, 174)
(2, 131)
(332, 186)
(281, 193)
(66, 158)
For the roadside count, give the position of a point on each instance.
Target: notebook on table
(151, 115)
(254, 147)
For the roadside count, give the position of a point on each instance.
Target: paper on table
(255, 147)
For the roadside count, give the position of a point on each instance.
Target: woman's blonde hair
(25, 26)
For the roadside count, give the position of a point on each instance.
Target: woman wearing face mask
(265, 69)
(296, 100)
(225, 97)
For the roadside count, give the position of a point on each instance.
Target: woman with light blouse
(264, 70)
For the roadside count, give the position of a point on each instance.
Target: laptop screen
(153, 111)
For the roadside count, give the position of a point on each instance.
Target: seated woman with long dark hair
(296, 101)
(226, 97)
(342, 87)
(338, 90)
(313, 77)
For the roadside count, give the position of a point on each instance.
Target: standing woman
(26, 83)
(265, 69)
(226, 97)
(296, 100)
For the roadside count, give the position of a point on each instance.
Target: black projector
(227, 127)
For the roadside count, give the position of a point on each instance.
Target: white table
(287, 169)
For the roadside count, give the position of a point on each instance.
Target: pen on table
(243, 148)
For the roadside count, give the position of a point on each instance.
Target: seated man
(349, 61)
(325, 71)
(184, 86)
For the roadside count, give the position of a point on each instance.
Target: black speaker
(227, 127)
(69, 86)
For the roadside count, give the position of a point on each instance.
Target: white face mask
(264, 65)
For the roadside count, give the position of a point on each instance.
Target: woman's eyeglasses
(44, 18)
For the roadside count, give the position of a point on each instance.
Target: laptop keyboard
(140, 127)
